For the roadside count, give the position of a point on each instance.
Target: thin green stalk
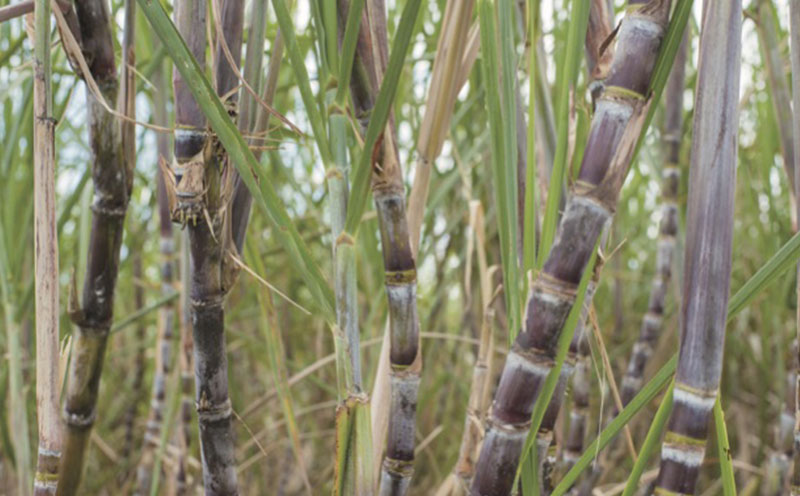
(651, 442)
(579, 15)
(724, 452)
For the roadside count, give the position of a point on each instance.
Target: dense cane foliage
(364, 247)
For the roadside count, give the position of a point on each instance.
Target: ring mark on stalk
(211, 302)
(400, 277)
(512, 431)
(693, 397)
(208, 412)
(402, 468)
(79, 421)
(666, 492)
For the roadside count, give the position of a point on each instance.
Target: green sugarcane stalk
(709, 232)
(617, 123)
(112, 179)
(45, 263)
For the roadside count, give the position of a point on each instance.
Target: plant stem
(616, 127)
(48, 384)
(112, 179)
(709, 230)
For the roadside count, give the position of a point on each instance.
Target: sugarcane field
(400, 247)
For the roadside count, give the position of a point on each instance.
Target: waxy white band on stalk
(527, 363)
(689, 456)
(693, 399)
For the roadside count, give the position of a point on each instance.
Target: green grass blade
(298, 64)
(349, 49)
(648, 392)
(651, 442)
(779, 264)
(503, 162)
(263, 192)
(380, 115)
(724, 451)
(579, 15)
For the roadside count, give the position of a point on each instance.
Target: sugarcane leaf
(380, 115)
(242, 157)
(503, 168)
(651, 442)
(579, 15)
(349, 42)
(302, 79)
(724, 451)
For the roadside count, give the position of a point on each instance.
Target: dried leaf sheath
(709, 231)
(615, 128)
(668, 229)
(112, 183)
(46, 264)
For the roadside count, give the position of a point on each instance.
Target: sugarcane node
(401, 468)
(209, 412)
(78, 421)
(334, 173)
(345, 239)
(216, 301)
(400, 277)
(189, 193)
(564, 290)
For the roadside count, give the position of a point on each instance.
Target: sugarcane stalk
(709, 231)
(137, 369)
(480, 392)
(166, 321)
(202, 198)
(545, 436)
(579, 413)
(599, 48)
(794, 52)
(652, 323)
(112, 179)
(186, 364)
(456, 52)
(390, 204)
(615, 129)
(48, 383)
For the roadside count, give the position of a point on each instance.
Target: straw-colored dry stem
(48, 384)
